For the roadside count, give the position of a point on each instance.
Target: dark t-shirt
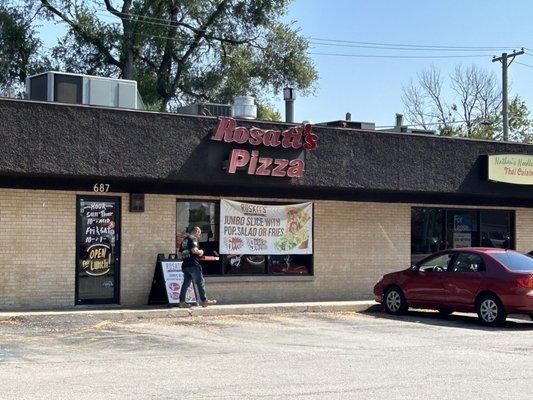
(189, 243)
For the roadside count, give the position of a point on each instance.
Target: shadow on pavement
(460, 320)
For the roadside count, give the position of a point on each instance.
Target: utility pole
(505, 103)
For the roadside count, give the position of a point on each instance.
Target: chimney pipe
(289, 96)
(348, 116)
(399, 121)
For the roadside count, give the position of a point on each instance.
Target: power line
(343, 43)
(398, 56)
(389, 47)
(525, 65)
(422, 125)
(411, 45)
(394, 56)
(336, 42)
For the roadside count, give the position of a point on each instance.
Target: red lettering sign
(297, 137)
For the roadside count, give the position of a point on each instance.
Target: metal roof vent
(244, 107)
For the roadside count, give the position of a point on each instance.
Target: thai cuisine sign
(511, 168)
(265, 229)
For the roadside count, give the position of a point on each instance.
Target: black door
(97, 250)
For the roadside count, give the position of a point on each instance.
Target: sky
(370, 88)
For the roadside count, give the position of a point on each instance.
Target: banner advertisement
(173, 277)
(511, 168)
(265, 229)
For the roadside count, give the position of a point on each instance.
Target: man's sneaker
(208, 303)
(182, 304)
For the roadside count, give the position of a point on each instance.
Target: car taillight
(526, 282)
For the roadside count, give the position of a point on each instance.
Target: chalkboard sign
(97, 242)
(167, 283)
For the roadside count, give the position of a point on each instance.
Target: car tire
(445, 312)
(394, 301)
(490, 310)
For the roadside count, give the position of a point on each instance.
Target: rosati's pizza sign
(294, 138)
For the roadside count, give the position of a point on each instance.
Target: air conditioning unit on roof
(65, 87)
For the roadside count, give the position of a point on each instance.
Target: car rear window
(515, 261)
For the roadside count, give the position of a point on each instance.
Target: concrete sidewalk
(119, 313)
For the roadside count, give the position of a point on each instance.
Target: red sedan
(492, 282)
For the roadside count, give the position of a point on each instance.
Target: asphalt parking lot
(292, 356)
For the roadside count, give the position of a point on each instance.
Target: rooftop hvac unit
(83, 89)
(211, 109)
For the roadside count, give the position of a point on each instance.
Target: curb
(125, 314)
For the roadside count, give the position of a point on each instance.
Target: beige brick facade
(524, 229)
(355, 243)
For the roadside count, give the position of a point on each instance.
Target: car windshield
(515, 261)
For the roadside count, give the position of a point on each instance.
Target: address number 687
(101, 187)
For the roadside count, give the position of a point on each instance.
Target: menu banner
(265, 229)
(173, 277)
(511, 168)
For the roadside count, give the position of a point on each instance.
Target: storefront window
(427, 233)
(434, 229)
(461, 228)
(496, 229)
(206, 215)
(203, 214)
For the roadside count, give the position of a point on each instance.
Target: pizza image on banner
(296, 233)
(247, 228)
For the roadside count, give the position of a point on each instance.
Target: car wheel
(443, 311)
(394, 301)
(490, 310)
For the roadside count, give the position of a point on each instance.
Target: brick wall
(524, 229)
(355, 243)
(37, 248)
(144, 235)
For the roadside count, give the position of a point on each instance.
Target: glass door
(97, 250)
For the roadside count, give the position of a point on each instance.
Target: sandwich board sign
(167, 283)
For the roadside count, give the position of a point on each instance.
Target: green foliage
(449, 130)
(18, 48)
(183, 51)
(267, 113)
(520, 125)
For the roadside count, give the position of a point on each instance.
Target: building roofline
(249, 121)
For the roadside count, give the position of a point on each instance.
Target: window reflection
(434, 229)
(496, 229)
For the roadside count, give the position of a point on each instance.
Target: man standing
(192, 270)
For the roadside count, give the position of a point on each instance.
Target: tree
(19, 48)
(267, 113)
(182, 51)
(471, 109)
(520, 125)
